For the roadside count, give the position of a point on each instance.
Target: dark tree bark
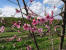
(32, 34)
(63, 27)
(25, 6)
(20, 11)
(34, 39)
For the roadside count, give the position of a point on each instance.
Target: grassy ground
(43, 42)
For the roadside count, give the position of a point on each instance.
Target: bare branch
(20, 10)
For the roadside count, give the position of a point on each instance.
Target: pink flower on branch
(18, 31)
(34, 29)
(14, 23)
(19, 22)
(40, 30)
(18, 26)
(17, 11)
(38, 18)
(34, 22)
(29, 48)
(28, 17)
(52, 13)
(26, 27)
(19, 39)
(2, 29)
(51, 20)
(42, 20)
(12, 38)
(47, 17)
(38, 21)
(31, 0)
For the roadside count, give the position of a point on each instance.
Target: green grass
(43, 42)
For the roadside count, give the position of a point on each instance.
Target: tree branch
(20, 10)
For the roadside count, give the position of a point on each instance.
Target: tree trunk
(63, 29)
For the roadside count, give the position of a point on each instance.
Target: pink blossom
(34, 29)
(19, 39)
(31, 0)
(42, 20)
(52, 13)
(17, 11)
(18, 31)
(2, 29)
(19, 22)
(48, 27)
(40, 30)
(47, 17)
(18, 26)
(38, 21)
(12, 38)
(28, 47)
(51, 20)
(34, 22)
(14, 23)
(38, 18)
(28, 17)
(26, 27)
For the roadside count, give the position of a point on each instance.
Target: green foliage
(10, 20)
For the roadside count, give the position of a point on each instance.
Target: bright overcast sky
(38, 6)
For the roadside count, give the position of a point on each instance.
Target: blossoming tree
(46, 22)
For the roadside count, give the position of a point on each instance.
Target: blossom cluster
(39, 21)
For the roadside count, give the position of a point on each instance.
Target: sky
(7, 3)
(37, 6)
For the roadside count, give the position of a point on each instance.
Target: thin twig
(20, 11)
